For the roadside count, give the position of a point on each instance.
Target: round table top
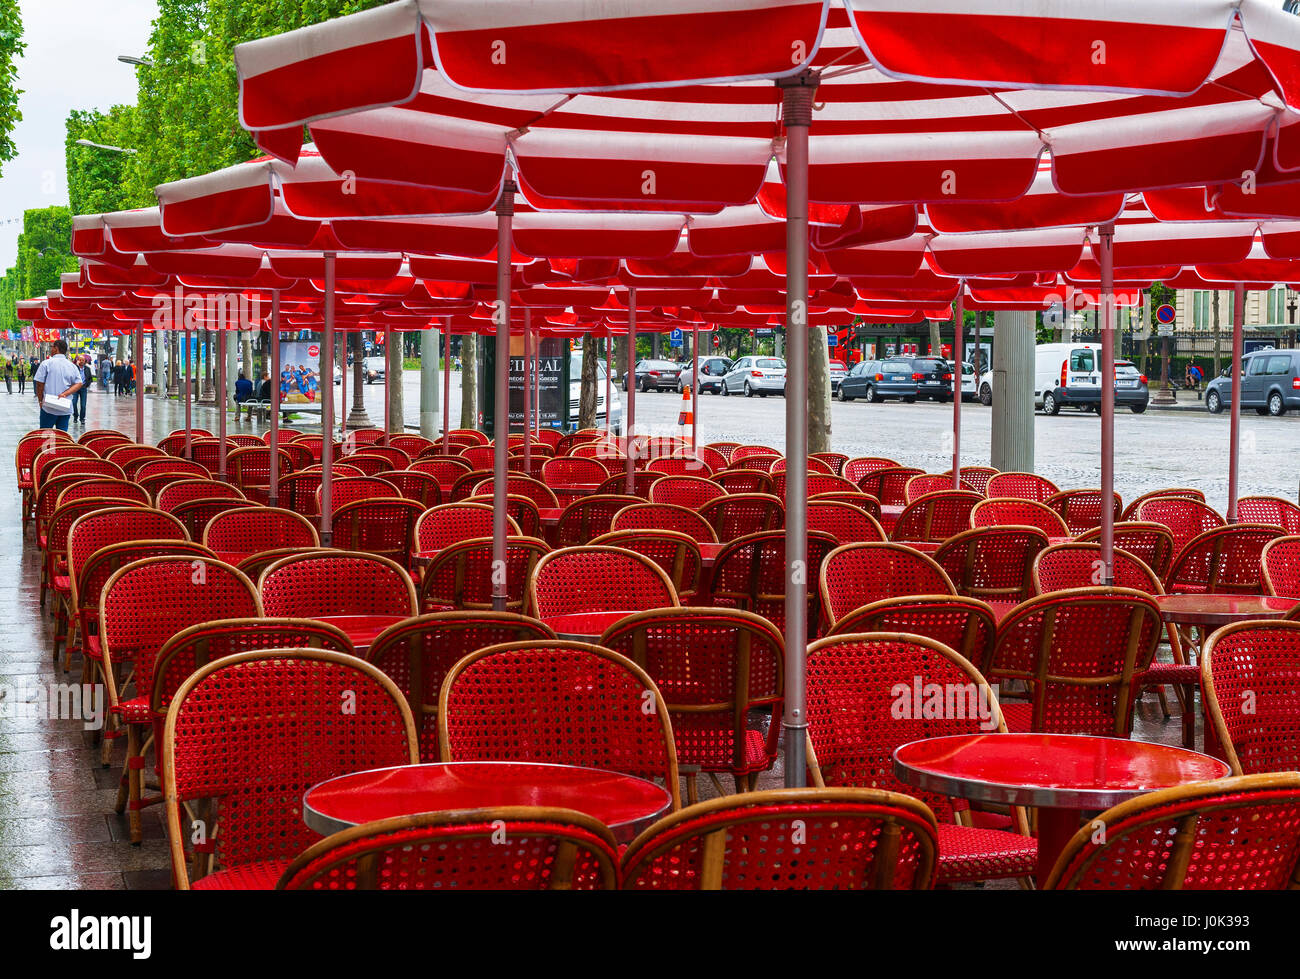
(584, 626)
(624, 803)
(362, 629)
(1221, 609)
(1059, 771)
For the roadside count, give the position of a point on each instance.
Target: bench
(262, 409)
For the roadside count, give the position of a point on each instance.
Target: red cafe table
(363, 630)
(624, 803)
(1212, 611)
(1063, 776)
(584, 626)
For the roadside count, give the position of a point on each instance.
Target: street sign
(675, 338)
(832, 340)
(1166, 314)
(716, 343)
(1163, 330)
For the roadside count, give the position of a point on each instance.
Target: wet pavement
(58, 829)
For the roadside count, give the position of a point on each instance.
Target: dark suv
(1270, 383)
(933, 377)
(876, 380)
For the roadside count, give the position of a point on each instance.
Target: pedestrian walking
(21, 367)
(80, 399)
(56, 374)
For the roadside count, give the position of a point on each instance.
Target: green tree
(44, 251)
(11, 49)
(100, 180)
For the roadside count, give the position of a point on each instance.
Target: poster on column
(299, 371)
(551, 354)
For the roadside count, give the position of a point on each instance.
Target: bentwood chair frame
(677, 553)
(460, 577)
(1248, 672)
(561, 582)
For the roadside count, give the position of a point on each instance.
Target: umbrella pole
(537, 387)
(695, 388)
(1107, 245)
(273, 494)
(959, 325)
(327, 409)
(389, 337)
(343, 392)
(138, 368)
(446, 389)
(1234, 428)
(631, 390)
(189, 392)
(609, 388)
(528, 388)
(501, 393)
(797, 97)
(221, 403)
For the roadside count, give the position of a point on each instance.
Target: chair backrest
(963, 624)
(1152, 543)
(815, 483)
(420, 487)
(1079, 565)
(130, 452)
(1270, 510)
(560, 703)
(326, 583)
(866, 697)
(680, 466)
(847, 523)
(441, 526)
(350, 489)
(520, 509)
(395, 457)
(854, 575)
(573, 580)
(517, 484)
(145, 603)
(589, 517)
(854, 469)
(1228, 834)
(566, 472)
(479, 456)
(550, 849)
(977, 477)
(1006, 511)
(154, 467)
(664, 516)
(641, 483)
(889, 486)
(445, 469)
(460, 577)
(815, 465)
(692, 492)
(208, 452)
(835, 460)
(93, 571)
(744, 481)
(1130, 511)
(1081, 509)
(417, 653)
(750, 573)
(1281, 562)
(411, 443)
(1081, 652)
(992, 563)
(714, 666)
(919, 486)
(676, 553)
(856, 498)
(225, 739)
(61, 521)
(725, 449)
(738, 515)
(1226, 560)
(195, 514)
(86, 468)
(250, 468)
(255, 564)
(370, 464)
(93, 487)
(741, 452)
(382, 527)
(935, 516)
(1248, 672)
(863, 839)
(237, 534)
(1021, 486)
(1186, 518)
(182, 491)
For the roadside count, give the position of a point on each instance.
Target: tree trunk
(819, 391)
(587, 399)
(1218, 337)
(469, 381)
(936, 342)
(393, 379)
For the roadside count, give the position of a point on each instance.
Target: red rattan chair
(856, 719)
(641, 483)
(101, 443)
(569, 478)
(1021, 486)
(963, 624)
(741, 514)
(174, 444)
(867, 504)
(1270, 510)
(889, 486)
(815, 465)
(1079, 565)
(358, 439)
(587, 518)
(716, 668)
(237, 534)
(1130, 511)
(420, 487)
(141, 606)
(750, 573)
(255, 564)
(520, 509)
(411, 444)
(761, 463)
(743, 481)
(445, 469)
(395, 457)
(846, 523)
(350, 489)
(153, 467)
(919, 486)
(1151, 543)
(324, 584)
(854, 469)
(182, 491)
(517, 484)
(249, 468)
(835, 460)
(1248, 674)
(680, 466)
(1082, 652)
(195, 514)
(370, 464)
(935, 516)
(1226, 560)
(725, 449)
(52, 493)
(692, 492)
(748, 842)
(558, 703)
(225, 740)
(1230, 834)
(451, 523)
(676, 553)
(1281, 563)
(664, 516)
(858, 574)
(131, 452)
(816, 483)
(86, 468)
(993, 564)
(207, 453)
(467, 436)
(460, 577)
(1004, 511)
(1186, 518)
(748, 451)
(574, 580)
(383, 527)
(1081, 509)
(243, 441)
(315, 445)
(479, 456)
(550, 849)
(416, 655)
(976, 476)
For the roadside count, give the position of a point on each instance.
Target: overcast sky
(71, 63)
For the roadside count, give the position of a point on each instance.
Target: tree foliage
(11, 49)
(43, 255)
(99, 180)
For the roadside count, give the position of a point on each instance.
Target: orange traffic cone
(687, 415)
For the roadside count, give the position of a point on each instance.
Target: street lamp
(1290, 308)
(102, 146)
(130, 59)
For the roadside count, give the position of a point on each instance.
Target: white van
(1066, 375)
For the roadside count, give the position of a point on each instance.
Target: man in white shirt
(56, 374)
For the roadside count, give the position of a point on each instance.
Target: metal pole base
(357, 418)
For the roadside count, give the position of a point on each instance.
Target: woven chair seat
(260, 876)
(969, 853)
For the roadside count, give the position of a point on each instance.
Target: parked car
(1270, 383)
(879, 380)
(575, 396)
(755, 375)
(655, 375)
(839, 370)
(933, 377)
(372, 369)
(712, 370)
(1131, 390)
